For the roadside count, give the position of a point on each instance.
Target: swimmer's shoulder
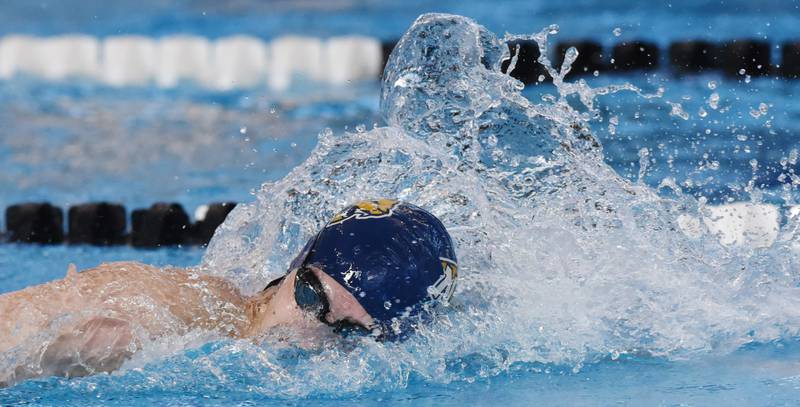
(124, 266)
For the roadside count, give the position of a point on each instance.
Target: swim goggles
(310, 297)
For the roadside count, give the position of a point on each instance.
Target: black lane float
(105, 224)
(735, 57)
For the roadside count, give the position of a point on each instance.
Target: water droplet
(644, 154)
(742, 71)
(747, 79)
(741, 137)
(596, 73)
(387, 304)
(702, 112)
(677, 111)
(762, 110)
(712, 85)
(294, 145)
(540, 78)
(613, 121)
(617, 31)
(361, 128)
(243, 130)
(713, 101)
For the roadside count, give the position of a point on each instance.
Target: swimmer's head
(396, 260)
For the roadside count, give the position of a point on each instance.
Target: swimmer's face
(342, 306)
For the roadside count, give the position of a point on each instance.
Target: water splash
(563, 261)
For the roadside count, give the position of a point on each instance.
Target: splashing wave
(563, 262)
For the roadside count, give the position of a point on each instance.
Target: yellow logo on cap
(365, 210)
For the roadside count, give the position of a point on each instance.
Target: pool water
(765, 376)
(602, 329)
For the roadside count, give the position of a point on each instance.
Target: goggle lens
(310, 297)
(309, 294)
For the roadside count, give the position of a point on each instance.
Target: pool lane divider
(243, 62)
(105, 224)
(167, 224)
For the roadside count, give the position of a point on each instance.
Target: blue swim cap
(393, 257)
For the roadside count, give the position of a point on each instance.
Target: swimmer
(375, 269)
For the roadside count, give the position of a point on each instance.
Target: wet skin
(93, 321)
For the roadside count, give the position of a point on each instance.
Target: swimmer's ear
(72, 271)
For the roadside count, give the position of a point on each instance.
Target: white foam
(690, 225)
(742, 223)
(292, 57)
(183, 58)
(128, 60)
(239, 62)
(352, 58)
(20, 54)
(794, 211)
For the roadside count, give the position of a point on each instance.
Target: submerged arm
(101, 344)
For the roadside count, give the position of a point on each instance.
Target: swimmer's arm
(101, 344)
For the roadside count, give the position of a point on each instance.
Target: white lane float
(70, 56)
(235, 62)
(239, 62)
(183, 58)
(128, 60)
(294, 57)
(352, 58)
(21, 54)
